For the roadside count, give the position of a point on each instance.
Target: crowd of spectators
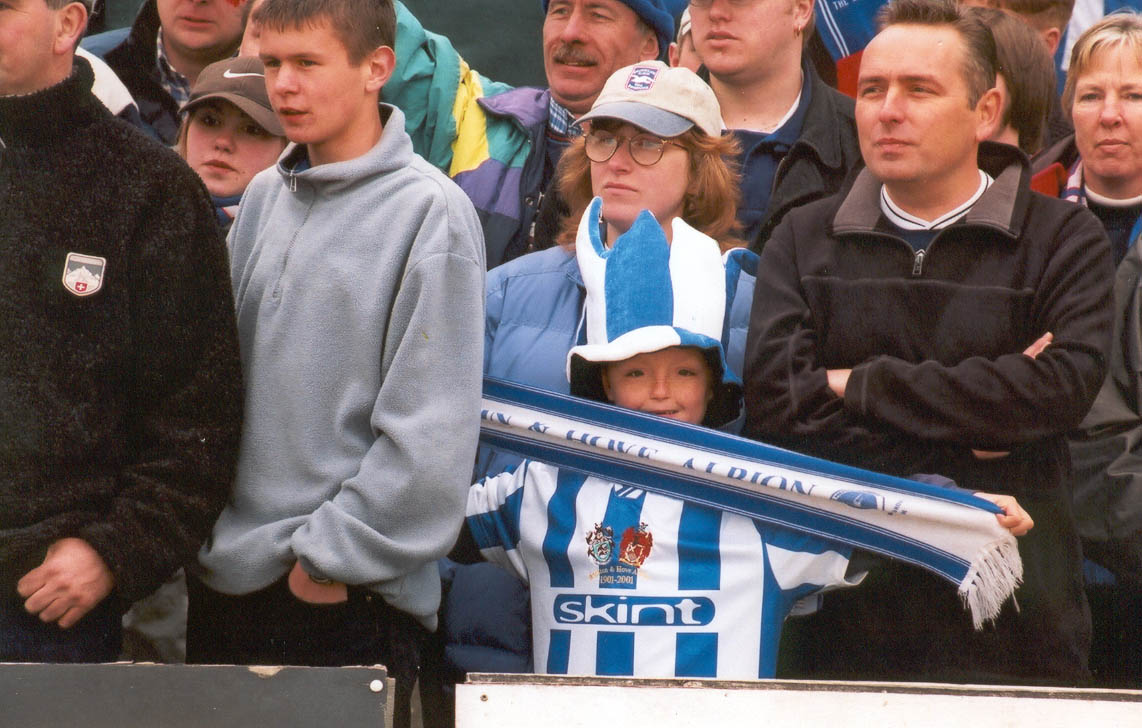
(255, 249)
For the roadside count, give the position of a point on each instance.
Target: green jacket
(492, 149)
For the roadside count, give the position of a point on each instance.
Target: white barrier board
(527, 701)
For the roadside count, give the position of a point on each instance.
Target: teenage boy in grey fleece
(358, 279)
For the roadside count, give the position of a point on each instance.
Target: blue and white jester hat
(645, 294)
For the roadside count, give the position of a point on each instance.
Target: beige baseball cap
(663, 100)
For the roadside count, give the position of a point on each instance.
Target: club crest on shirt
(601, 544)
(635, 546)
(618, 567)
(83, 274)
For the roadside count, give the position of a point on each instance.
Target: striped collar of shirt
(560, 122)
(172, 81)
(906, 221)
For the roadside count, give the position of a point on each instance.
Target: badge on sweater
(618, 566)
(83, 274)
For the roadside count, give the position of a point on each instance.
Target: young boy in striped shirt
(626, 582)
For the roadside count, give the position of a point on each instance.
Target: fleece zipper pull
(918, 264)
(292, 181)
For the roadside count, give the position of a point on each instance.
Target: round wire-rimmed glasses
(645, 149)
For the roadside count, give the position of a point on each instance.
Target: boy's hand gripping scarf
(948, 532)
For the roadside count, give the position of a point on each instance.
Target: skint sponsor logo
(633, 611)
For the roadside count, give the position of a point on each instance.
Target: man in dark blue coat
(937, 317)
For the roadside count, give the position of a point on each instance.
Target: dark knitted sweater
(121, 409)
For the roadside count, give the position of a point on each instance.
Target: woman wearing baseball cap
(653, 142)
(229, 131)
(653, 153)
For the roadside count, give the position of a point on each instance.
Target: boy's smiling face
(673, 382)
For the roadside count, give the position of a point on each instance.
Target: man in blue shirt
(797, 135)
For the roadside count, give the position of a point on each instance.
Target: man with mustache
(797, 134)
(160, 58)
(501, 144)
(584, 42)
(937, 317)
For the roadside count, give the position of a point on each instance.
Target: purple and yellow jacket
(487, 136)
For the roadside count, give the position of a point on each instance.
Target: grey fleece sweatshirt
(359, 287)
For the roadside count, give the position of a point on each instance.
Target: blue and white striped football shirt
(625, 582)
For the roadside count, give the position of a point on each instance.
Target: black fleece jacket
(934, 340)
(121, 408)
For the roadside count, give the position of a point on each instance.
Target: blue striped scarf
(948, 532)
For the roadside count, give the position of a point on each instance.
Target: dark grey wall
(122, 695)
(118, 13)
(499, 38)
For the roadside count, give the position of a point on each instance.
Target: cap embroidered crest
(83, 274)
(641, 78)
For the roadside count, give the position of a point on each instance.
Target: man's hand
(838, 380)
(1037, 347)
(990, 454)
(308, 590)
(70, 582)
